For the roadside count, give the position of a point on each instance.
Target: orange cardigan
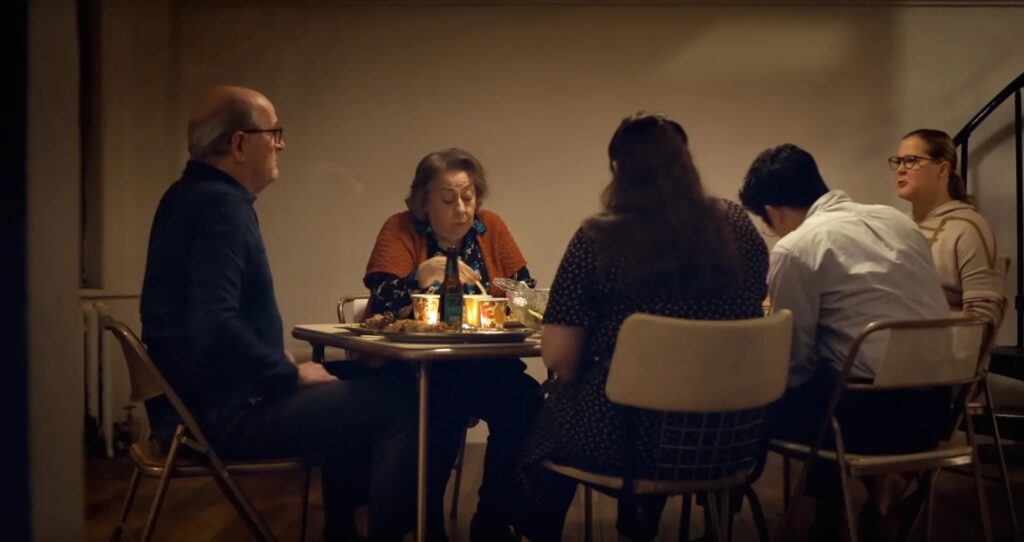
(400, 249)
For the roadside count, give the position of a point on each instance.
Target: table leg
(318, 353)
(423, 370)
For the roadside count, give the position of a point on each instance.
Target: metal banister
(961, 140)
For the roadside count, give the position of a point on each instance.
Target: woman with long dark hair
(660, 246)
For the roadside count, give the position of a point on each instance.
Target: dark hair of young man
(785, 176)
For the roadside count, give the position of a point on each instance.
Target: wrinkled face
(261, 149)
(451, 205)
(925, 179)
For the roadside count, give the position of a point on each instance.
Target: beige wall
(535, 91)
(54, 320)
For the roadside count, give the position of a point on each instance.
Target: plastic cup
(492, 313)
(425, 307)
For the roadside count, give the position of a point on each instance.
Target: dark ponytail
(957, 187)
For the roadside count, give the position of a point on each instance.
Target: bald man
(211, 323)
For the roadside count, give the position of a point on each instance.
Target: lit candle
(471, 309)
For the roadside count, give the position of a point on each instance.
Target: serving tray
(458, 337)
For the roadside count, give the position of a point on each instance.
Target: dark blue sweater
(209, 316)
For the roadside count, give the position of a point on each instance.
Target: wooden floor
(196, 511)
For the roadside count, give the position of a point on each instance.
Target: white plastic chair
(689, 370)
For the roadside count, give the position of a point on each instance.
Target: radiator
(99, 388)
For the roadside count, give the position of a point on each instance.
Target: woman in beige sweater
(963, 244)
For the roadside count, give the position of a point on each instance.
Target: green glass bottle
(451, 291)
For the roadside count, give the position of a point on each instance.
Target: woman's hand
(433, 269)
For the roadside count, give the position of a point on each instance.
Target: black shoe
(484, 529)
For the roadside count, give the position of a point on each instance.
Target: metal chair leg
(161, 488)
(126, 508)
(986, 522)
(305, 503)
(844, 478)
(684, 518)
(929, 506)
(459, 459)
(252, 518)
(726, 520)
(588, 514)
(924, 484)
(715, 524)
(787, 471)
(1000, 454)
(758, 513)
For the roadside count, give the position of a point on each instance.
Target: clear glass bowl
(528, 305)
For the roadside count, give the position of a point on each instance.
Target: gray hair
(436, 163)
(210, 136)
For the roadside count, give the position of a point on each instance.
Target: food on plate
(415, 326)
(379, 321)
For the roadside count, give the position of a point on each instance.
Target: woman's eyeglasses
(910, 161)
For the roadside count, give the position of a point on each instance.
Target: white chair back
(352, 308)
(679, 365)
(932, 353)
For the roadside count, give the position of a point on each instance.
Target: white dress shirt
(846, 266)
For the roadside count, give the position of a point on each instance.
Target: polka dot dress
(578, 425)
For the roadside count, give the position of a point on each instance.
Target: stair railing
(962, 139)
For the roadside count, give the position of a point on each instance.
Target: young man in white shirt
(839, 266)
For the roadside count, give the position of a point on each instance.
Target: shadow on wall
(535, 92)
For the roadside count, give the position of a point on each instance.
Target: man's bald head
(221, 112)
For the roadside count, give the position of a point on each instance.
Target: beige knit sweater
(966, 254)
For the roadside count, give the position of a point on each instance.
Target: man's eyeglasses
(910, 161)
(276, 134)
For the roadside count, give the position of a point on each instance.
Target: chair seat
(977, 408)
(1009, 418)
(870, 464)
(150, 458)
(648, 486)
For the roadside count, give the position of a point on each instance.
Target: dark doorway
(14, 479)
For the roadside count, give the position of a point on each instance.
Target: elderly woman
(963, 244)
(443, 211)
(660, 246)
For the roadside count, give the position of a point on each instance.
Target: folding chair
(948, 353)
(351, 308)
(150, 461)
(983, 405)
(711, 381)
